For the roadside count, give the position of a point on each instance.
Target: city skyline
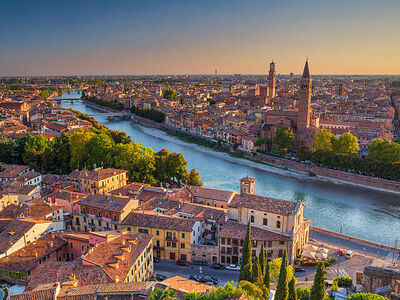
(184, 37)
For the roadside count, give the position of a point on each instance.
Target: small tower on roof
(247, 185)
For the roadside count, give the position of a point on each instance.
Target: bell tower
(247, 185)
(304, 112)
(271, 80)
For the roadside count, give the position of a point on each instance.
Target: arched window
(278, 224)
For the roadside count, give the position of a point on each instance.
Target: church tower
(304, 112)
(271, 80)
(247, 185)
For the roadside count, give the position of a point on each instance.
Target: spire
(306, 71)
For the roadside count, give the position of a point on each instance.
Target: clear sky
(68, 37)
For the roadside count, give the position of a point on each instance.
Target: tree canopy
(384, 150)
(284, 138)
(170, 94)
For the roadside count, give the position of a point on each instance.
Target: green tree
(251, 290)
(211, 101)
(303, 153)
(246, 267)
(292, 289)
(282, 289)
(98, 150)
(267, 277)
(194, 178)
(78, 143)
(346, 144)
(261, 259)
(161, 171)
(194, 296)
(170, 94)
(366, 296)
(160, 294)
(303, 293)
(256, 276)
(177, 167)
(323, 140)
(318, 288)
(284, 138)
(384, 150)
(275, 266)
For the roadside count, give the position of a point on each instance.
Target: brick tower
(271, 80)
(304, 112)
(247, 185)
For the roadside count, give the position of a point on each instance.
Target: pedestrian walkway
(334, 272)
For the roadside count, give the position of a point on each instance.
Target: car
(208, 280)
(159, 277)
(182, 262)
(195, 278)
(299, 270)
(218, 266)
(233, 267)
(349, 254)
(341, 252)
(156, 260)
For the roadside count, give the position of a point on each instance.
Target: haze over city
(197, 37)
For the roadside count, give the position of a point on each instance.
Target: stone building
(375, 278)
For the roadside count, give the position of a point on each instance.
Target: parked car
(159, 277)
(341, 252)
(195, 277)
(233, 267)
(299, 270)
(349, 254)
(218, 266)
(209, 279)
(182, 262)
(156, 260)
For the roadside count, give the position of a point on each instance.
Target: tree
(284, 138)
(384, 150)
(256, 276)
(318, 288)
(366, 296)
(303, 153)
(261, 259)
(274, 268)
(282, 289)
(194, 296)
(246, 267)
(160, 294)
(194, 178)
(292, 289)
(323, 140)
(263, 141)
(98, 150)
(267, 277)
(345, 144)
(170, 94)
(251, 290)
(78, 143)
(176, 165)
(211, 101)
(303, 293)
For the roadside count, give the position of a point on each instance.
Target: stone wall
(374, 278)
(204, 253)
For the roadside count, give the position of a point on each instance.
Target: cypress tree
(256, 271)
(292, 289)
(318, 288)
(282, 289)
(267, 277)
(246, 268)
(261, 259)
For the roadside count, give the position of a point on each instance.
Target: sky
(82, 37)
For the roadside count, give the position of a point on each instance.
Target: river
(363, 213)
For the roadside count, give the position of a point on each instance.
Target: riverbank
(279, 165)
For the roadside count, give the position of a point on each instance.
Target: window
(91, 211)
(168, 244)
(265, 222)
(222, 240)
(71, 245)
(83, 248)
(281, 242)
(182, 245)
(157, 232)
(278, 224)
(107, 216)
(183, 235)
(173, 245)
(269, 253)
(252, 219)
(142, 230)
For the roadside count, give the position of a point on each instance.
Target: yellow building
(98, 181)
(127, 258)
(172, 236)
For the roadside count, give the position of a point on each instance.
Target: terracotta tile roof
(14, 211)
(106, 202)
(267, 204)
(158, 221)
(59, 271)
(67, 195)
(12, 171)
(97, 174)
(28, 176)
(235, 230)
(148, 193)
(41, 209)
(213, 194)
(117, 256)
(131, 189)
(186, 285)
(11, 230)
(48, 294)
(27, 258)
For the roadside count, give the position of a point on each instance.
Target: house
(12, 172)
(103, 212)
